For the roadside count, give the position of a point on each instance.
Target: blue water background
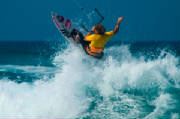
(144, 20)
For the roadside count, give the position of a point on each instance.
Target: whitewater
(77, 86)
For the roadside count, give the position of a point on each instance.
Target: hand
(120, 19)
(93, 28)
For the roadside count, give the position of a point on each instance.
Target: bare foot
(76, 39)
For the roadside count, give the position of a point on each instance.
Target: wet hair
(100, 29)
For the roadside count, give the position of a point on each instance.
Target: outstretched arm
(116, 29)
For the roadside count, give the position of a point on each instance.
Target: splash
(118, 86)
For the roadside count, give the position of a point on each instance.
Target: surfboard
(63, 24)
(65, 27)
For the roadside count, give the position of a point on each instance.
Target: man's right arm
(88, 37)
(116, 29)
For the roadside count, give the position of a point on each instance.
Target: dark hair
(100, 29)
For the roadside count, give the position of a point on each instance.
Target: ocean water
(43, 76)
(58, 80)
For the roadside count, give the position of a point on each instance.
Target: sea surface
(57, 80)
(44, 76)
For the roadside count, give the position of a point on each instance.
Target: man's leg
(78, 37)
(65, 32)
(75, 35)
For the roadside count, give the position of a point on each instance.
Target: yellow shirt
(99, 41)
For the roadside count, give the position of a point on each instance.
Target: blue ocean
(44, 76)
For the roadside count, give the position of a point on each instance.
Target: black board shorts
(81, 40)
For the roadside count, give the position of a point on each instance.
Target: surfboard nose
(53, 13)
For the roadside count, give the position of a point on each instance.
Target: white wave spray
(118, 86)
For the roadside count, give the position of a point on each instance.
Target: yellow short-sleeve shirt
(99, 41)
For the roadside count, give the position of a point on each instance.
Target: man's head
(99, 29)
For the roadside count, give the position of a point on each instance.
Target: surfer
(93, 43)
